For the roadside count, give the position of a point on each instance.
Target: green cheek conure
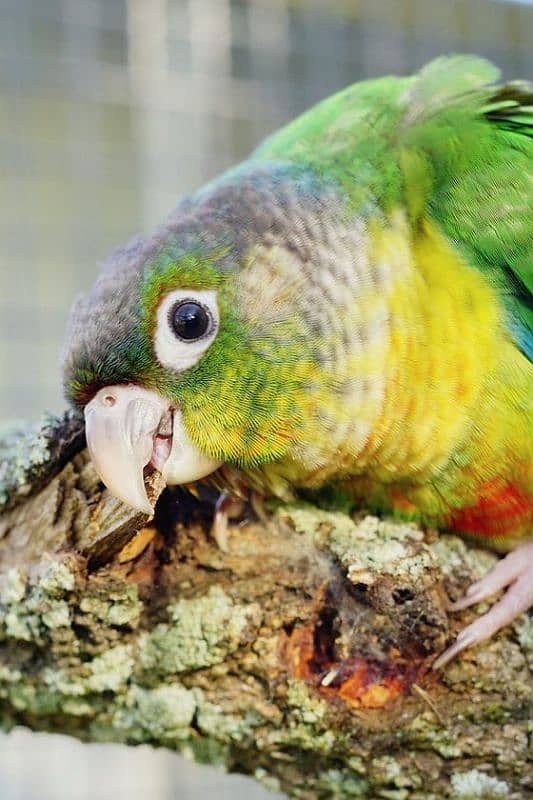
(352, 306)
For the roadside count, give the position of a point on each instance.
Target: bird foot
(232, 506)
(227, 507)
(514, 571)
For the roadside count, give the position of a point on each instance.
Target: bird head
(190, 350)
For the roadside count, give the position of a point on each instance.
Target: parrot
(350, 308)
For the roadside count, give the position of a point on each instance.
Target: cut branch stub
(72, 512)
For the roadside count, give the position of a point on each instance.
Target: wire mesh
(110, 110)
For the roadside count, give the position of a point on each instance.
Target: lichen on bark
(301, 655)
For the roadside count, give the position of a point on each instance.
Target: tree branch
(301, 655)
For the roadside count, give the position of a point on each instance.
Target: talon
(515, 571)
(464, 640)
(257, 502)
(227, 507)
(219, 531)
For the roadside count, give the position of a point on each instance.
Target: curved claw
(464, 639)
(515, 571)
(501, 575)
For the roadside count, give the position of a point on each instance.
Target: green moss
(58, 579)
(28, 454)
(367, 546)
(216, 722)
(120, 606)
(454, 556)
(21, 626)
(304, 738)
(202, 632)
(207, 750)
(307, 723)
(162, 714)
(77, 708)
(57, 616)
(65, 683)
(524, 631)
(22, 452)
(28, 612)
(14, 587)
(442, 740)
(306, 519)
(35, 700)
(111, 670)
(376, 546)
(338, 784)
(307, 706)
(267, 780)
(392, 781)
(476, 785)
(8, 675)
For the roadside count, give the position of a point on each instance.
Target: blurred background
(109, 111)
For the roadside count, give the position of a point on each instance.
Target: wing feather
(477, 140)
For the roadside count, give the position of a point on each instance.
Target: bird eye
(189, 320)
(187, 324)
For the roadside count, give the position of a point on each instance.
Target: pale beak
(128, 428)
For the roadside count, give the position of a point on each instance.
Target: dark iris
(189, 320)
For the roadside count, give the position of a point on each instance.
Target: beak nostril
(131, 430)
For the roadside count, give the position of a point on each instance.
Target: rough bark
(301, 655)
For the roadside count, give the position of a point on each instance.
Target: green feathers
(477, 144)
(368, 274)
(449, 144)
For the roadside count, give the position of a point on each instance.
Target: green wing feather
(476, 141)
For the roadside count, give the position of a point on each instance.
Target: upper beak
(127, 428)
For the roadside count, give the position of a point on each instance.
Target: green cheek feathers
(243, 402)
(195, 270)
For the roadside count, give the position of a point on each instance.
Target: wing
(475, 140)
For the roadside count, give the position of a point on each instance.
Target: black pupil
(189, 320)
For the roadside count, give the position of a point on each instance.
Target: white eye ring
(180, 354)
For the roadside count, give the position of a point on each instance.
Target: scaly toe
(505, 572)
(517, 599)
(464, 639)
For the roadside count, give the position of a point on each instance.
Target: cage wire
(112, 109)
